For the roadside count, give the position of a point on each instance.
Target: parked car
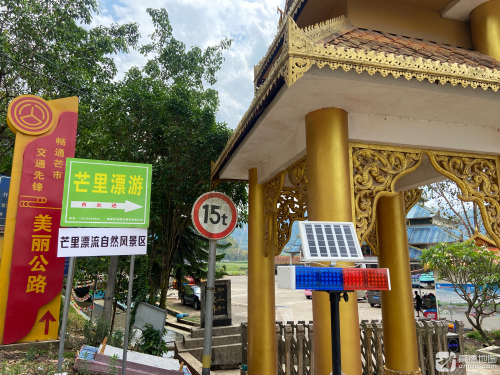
(373, 297)
(361, 294)
(191, 296)
(308, 293)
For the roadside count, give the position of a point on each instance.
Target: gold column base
(261, 298)
(394, 372)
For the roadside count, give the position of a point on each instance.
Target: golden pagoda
(357, 104)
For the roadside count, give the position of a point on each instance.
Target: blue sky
(252, 25)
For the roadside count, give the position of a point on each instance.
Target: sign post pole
(209, 308)
(67, 299)
(215, 217)
(127, 322)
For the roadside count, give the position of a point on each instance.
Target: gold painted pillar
(400, 339)
(485, 28)
(261, 309)
(329, 191)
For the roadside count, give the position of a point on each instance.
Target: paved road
(290, 304)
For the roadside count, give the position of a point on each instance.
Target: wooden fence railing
(295, 355)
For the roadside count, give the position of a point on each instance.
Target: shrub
(475, 335)
(148, 343)
(496, 334)
(116, 339)
(95, 333)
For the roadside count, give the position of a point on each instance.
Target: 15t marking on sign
(214, 215)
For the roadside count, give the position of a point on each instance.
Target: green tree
(191, 258)
(47, 49)
(452, 211)
(474, 273)
(164, 115)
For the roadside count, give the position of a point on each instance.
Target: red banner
(36, 271)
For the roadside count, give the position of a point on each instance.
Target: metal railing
(295, 353)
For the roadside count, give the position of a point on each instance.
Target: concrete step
(223, 356)
(192, 343)
(198, 332)
(174, 323)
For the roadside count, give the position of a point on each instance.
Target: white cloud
(251, 23)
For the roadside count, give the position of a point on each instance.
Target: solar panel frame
(329, 241)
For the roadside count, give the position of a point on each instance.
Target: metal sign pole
(209, 308)
(67, 298)
(127, 322)
(93, 296)
(335, 322)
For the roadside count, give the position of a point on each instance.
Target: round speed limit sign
(214, 215)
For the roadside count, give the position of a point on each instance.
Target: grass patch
(469, 349)
(75, 320)
(194, 319)
(234, 268)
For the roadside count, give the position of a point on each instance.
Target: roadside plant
(149, 343)
(112, 367)
(31, 354)
(116, 339)
(474, 273)
(85, 364)
(95, 333)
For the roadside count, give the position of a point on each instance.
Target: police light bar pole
(335, 322)
(214, 215)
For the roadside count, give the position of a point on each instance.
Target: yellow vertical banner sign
(31, 275)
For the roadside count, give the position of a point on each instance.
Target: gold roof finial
(282, 16)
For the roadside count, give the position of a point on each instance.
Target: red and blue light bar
(333, 278)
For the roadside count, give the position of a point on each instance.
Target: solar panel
(329, 241)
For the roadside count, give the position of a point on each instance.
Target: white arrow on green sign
(127, 206)
(101, 193)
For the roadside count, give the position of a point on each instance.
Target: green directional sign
(101, 193)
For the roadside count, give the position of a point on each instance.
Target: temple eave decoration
(328, 44)
(375, 170)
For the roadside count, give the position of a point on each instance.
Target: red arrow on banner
(47, 318)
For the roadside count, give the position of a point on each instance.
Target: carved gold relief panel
(411, 198)
(272, 193)
(477, 178)
(291, 205)
(374, 172)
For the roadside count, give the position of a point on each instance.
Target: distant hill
(241, 235)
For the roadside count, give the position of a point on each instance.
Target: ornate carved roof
(338, 44)
(371, 40)
(481, 239)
